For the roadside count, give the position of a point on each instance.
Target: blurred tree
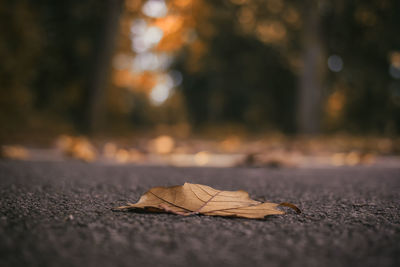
(265, 64)
(98, 80)
(78, 48)
(233, 71)
(312, 76)
(55, 59)
(345, 56)
(365, 83)
(20, 49)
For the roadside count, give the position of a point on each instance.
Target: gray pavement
(59, 214)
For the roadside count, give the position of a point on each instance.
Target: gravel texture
(59, 214)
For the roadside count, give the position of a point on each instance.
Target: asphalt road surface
(59, 214)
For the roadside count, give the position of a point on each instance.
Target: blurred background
(183, 77)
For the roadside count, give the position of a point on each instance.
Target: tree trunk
(309, 106)
(98, 81)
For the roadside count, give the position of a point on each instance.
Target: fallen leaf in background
(109, 150)
(122, 155)
(77, 147)
(191, 199)
(270, 160)
(230, 144)
(14, 152)
(163, 144)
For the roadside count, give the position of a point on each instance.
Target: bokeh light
(335, 63)
(394, 71)
(162, 90)
(155, 8)
(146, 39)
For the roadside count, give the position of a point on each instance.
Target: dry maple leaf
(190, 199)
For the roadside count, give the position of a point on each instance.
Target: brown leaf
(77, 147)
(190, 199)
(14, 152)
